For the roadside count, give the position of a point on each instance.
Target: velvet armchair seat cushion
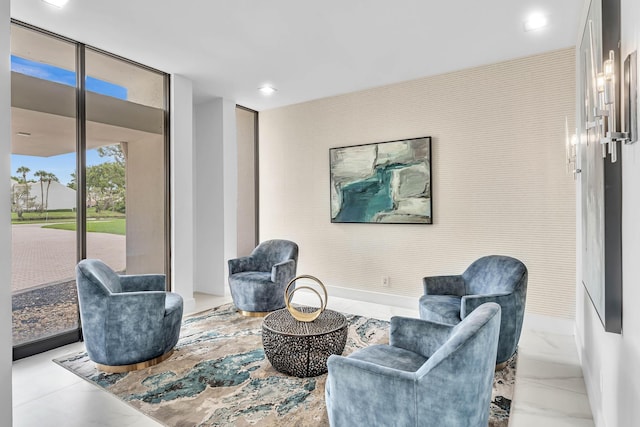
(494, 278)
(257, 282)
(126, 319)
(430, 374)
(391, 357)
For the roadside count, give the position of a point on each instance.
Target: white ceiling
(229, 48)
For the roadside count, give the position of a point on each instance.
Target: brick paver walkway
(42, 255)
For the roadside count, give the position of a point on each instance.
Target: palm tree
(49, 177)
(72, 184)
(42, 175)
(23, 170)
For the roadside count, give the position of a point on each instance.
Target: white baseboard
(534, 322)
(373, 297)
(189, 304)
(554, 325)
(592, 384)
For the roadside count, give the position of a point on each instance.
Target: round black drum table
(302, 348)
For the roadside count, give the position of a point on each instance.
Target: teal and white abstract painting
(386, 182)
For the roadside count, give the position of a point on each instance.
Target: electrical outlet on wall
(386, 281)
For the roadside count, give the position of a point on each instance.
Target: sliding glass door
(126, 157)
(43, 164)
(89, 177)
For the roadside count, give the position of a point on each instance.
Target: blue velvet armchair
(430, 374)
(494, 278)
(257, 282)
(128, 321)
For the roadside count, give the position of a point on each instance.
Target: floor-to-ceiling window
(43, 163)
(247, 143)
(126, 157)
(89, 177)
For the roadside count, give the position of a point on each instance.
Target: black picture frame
(382, 183)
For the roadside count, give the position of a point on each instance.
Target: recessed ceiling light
(56, 3)
(267, 90)
(535, 21)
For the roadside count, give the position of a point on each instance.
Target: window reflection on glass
(125, 166)
(125, 176)
(43, 195)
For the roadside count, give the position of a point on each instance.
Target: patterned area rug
(218, 376)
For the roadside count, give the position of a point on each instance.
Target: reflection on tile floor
(549, 391)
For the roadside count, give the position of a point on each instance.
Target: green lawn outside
(60, 216)
(114, 226)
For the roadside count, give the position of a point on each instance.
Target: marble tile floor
(549, 390)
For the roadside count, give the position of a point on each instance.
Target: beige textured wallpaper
(498, 174)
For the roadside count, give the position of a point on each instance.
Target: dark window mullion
(167, 182)
(81, 157)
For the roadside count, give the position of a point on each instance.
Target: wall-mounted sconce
(571, 149)
(606, 108)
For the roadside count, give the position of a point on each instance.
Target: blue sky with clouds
(65, 164)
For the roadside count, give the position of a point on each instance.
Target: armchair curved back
(99, 275)
(96, 282)
(460, 372)
(272, 252)
(430, 374)
(473, 335)
(125, 319)
(495, 274)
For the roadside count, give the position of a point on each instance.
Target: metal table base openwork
(299, 348)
